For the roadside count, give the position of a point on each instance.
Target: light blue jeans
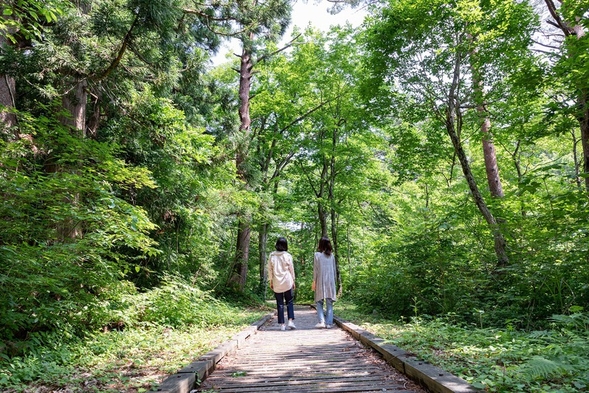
(326, 319)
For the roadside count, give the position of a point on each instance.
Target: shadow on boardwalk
(305, 360)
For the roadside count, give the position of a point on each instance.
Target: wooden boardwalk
(305, 360)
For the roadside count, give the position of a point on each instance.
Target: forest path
(306, 359)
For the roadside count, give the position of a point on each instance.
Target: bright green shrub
(64, 230)
(177, 303)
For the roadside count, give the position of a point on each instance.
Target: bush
(177, 303)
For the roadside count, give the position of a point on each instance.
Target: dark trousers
(281, 298)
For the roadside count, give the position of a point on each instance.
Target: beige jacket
(281, 271)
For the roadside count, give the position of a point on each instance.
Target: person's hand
(271, 285)
(294, 286)
(313, 286)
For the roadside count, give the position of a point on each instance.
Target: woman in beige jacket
(281, 276)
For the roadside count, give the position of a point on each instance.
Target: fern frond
(542, 367)
(573, 321)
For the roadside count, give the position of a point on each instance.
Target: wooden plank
(304, 360)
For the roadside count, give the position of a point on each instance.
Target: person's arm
(334, 266)
(270, 272)
(292, 272)
(314, 284)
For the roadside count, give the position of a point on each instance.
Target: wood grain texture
(305, 360)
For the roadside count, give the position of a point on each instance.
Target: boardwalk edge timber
(433, 378)
(186, 379)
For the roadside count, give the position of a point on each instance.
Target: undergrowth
(497, 360)
(151, 335)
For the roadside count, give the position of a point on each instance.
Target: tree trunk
(240, 265)
(322, 214)
(320, 194)
(583, 118)
(245, 76)
(7, 89)
(262, 245)
(335, 243)
(7, 94)
(239, 274)
(74, 102)
(322, 218)
(500, 243)
(333, 213)
(451, 121)
(491, 167)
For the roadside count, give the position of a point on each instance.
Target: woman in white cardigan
(324, 282)
(281, 276)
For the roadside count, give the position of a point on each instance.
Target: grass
(134, 360)
(496, 360)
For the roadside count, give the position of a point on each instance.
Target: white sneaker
(291, 324)
(282, 327)
(329, 326)
(320, 325)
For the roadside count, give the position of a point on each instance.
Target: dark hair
(325, 246)
(281, 244)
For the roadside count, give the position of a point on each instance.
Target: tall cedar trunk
(242, 252)
(7, 94)
(452, 111)
(240, 264)
(74, 103)
(262, 247)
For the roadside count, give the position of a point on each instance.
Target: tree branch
(559, 22)
(288, 45)
(304, 115)
(310, 180)
(117, 60)
(545, 45)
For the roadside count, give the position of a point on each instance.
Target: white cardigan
(324, 276)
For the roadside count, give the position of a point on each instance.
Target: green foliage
(497, 360)
(133, 355)
(64, 227)
(437, 257)
(185, 203)
(423, 263)
(25, 19)
(176, 304)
